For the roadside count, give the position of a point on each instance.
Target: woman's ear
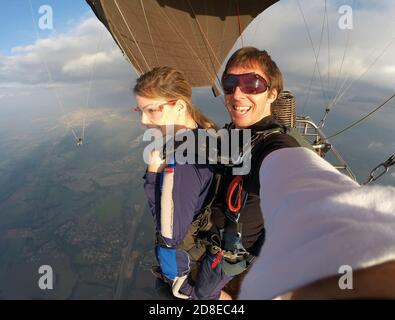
(181, 105)
(272, 95)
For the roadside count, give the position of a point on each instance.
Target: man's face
(247, 109)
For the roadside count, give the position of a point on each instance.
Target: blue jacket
(190, 186)
(175, 198)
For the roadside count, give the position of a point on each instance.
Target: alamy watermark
(207, 146)
(346, 20)
(346, 280)
(46, 19)
(45, 282)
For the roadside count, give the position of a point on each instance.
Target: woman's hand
(155, 162)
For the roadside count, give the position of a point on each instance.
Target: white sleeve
(316, 220)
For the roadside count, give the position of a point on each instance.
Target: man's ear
(272, 95)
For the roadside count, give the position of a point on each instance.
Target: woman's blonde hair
(169, 83)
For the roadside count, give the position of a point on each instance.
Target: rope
(131, 33)
(345, 81)
(135, 66)
(187, 43)
(312, 46)
(329, 46)
(168, 20)
(149, 32)
(90, 82)
(336, 101)
(239, 22)
(93, 69)
(257, 26)
(207, 43)
(50, 78)
(344, 55)
(360, 120)
(315, 65)
(83, 129)
(224, 27)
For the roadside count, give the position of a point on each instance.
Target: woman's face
(247, 109)
(157, 112)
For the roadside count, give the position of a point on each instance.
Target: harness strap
(217, 259)
(213, 192)
(177, 283)
(236, 197)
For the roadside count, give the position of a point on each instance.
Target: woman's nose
(144, 119)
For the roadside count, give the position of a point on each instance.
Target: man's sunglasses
(249, 83)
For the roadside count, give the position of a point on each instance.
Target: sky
(87, 70)
(17, 20)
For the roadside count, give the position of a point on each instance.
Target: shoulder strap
(266, 133)
(213, 191)
(302, 141)
(166, 200)
(293, 132)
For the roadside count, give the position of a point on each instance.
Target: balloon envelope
(194, 36)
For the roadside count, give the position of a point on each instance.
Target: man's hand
(224, 296)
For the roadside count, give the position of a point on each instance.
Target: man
(320, 225)
(251, 82)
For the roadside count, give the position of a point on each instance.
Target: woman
(176, 192)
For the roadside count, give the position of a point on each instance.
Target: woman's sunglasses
(249, 83)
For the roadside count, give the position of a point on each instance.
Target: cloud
(362, 80)
(375, 144)
(90, 116)
(280, 29)
(77, 69)
(88, 61)
(367, 57)
(389, 69)
(19, 93)
(73, 57)
(69, 58)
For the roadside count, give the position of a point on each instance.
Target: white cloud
(388, 146)
(87, 61)
(375, 144)
(82, 74)
(88, 26)
(70, 58)
(369, 55)
(389, 69)
(13, 94)
(90, 115)
(280, 29)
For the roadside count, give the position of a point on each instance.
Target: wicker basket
(284, 109)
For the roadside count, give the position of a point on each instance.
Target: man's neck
(263, 119)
